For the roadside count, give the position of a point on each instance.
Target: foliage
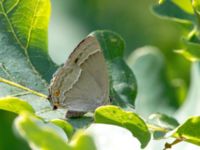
(26, 69)
(115, 115)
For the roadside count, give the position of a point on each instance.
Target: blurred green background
(134, 20)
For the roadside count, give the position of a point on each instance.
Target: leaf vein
(3, 68)
(11, 27)
(32, 22)
(12, 7)
(18, 40)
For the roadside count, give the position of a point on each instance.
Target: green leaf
(185, 5)
(161, 124)
(111, 43)
(23, 29)
(81, 122)
(191, 51)
(190, 108)
(82, 141)
(129, 120)
(164, 121)
(196, 6)
(40, 135)
(157, 135)
(123, 84)
(168, 9)
(37, 136)
(15, 105)
(7, 135)
(23, 49)
(67, 127)
(155, 93)
(116, 137)
(123, 87)
(189, 131)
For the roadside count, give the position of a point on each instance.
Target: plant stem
(169, 145)
(22, 87)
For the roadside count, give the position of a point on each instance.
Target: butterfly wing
(82, 84)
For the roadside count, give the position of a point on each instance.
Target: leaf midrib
(25, 49)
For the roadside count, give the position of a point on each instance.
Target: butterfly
(82, 83)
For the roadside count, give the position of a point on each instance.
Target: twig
(22, 87)
(169, 145)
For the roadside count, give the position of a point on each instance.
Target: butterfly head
(54, 99)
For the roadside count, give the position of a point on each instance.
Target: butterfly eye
(57, 93)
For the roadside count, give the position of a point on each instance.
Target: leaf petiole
(22, 87)
(156, 128)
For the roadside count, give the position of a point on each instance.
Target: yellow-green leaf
(67, 127)
(37, 136)
(24, 55)
(15, 105)
(189, 131)
(24, 26)
(116, 116)
(82, 141)
(185, 5)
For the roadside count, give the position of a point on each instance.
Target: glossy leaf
(188, 109)
(123, 87)
(196, 6)
(164, 124)
(82, 141)
(163, 120)
(185, 5)
(23, 49)
(7, 135)
(189, 131)
(157, 135)
(67, 127)
(123, 83)
(112, 137)
(15, 105)
(191, 51)
(155, 93)
(80, 122)
(116, 116)
(111, 43)
(24, 30)
(37, 136)
(169, 9)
